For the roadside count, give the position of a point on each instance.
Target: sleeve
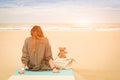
(48, 52)
(25, 55)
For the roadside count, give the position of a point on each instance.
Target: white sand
(97, 53)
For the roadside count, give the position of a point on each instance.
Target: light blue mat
(67, 72)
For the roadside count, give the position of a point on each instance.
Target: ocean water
(61, 26)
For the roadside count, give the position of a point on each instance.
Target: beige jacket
(38, 60)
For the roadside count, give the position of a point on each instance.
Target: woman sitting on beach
(36, 52)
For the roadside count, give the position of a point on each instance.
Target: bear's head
(62, 52)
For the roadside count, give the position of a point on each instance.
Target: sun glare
(84, 22)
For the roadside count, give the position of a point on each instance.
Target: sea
(61, 26)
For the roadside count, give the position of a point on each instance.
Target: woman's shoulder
(45, 39)
(28, 38)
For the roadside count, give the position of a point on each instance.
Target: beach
(88, 29)
(97, 53)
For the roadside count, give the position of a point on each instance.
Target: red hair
(37, 34)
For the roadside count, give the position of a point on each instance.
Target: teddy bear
(62, 52)
(62, 61)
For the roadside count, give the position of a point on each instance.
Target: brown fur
(62, 53)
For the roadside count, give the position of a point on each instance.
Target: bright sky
(60, 11)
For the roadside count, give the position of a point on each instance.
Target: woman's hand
(21, 72)
(55, 70)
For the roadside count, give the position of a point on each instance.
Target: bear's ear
(62, 48)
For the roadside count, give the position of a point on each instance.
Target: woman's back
(39, 57)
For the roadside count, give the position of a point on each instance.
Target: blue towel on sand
(67, 72)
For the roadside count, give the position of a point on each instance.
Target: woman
(37, 53)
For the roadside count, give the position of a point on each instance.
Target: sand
(97, 53)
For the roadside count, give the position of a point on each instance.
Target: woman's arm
(48, 56)
(48, 51)
(53, 66)
(25, 57)
(22, 69)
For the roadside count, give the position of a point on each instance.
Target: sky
(59, 11)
